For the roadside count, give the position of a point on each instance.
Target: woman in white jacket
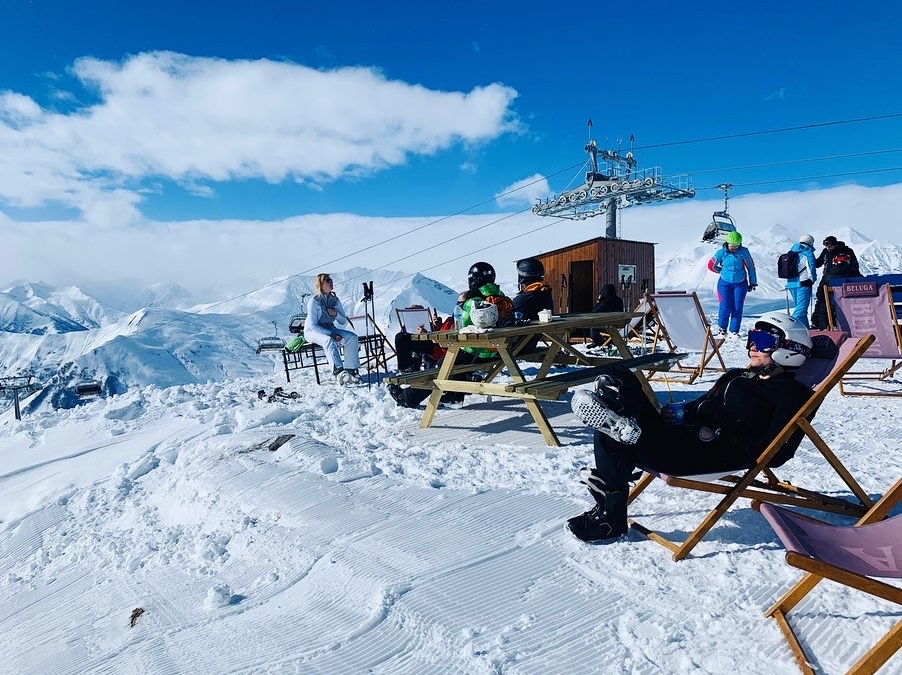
(319, 327)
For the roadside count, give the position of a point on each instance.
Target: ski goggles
(763, 341)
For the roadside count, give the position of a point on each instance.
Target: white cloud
(199, 254)
(524, 192)
(188, 119)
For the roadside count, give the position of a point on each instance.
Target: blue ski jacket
(734, 267)
(807, 268)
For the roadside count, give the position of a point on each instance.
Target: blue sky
(115, 116)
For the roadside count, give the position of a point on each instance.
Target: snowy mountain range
(159, 337)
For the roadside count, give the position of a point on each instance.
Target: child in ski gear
(608, 301)
(725, 429)
(734, 264)
(800, 286)
(323, 309)
(838, 261)
(481, 282)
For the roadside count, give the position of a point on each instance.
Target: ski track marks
(342, 552)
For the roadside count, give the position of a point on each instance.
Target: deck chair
(822, 374)
(878, 314)
(410, 318)
(632, 333)
(681, 325)
(372, 342)
(848, 555)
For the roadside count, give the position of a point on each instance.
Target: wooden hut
(577, 272)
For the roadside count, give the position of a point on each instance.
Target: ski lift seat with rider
(721, 223)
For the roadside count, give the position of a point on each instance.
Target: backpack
(505, 309)
(788, 265)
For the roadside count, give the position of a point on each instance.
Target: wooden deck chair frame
(410, 318)
(818, 570)
(633, 330)
(375, 345)
(769, 488)
(681, 324)
(879, 315)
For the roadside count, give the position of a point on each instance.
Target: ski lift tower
(16, 384)
(616, 183)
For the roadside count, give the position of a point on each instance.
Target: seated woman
(319, 327)
(725, 429)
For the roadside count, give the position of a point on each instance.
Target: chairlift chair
(721, 223)
(88, 389)
(296, 325)
(273, 343)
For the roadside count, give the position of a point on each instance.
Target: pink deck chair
(847, 555)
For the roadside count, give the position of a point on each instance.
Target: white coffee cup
(544, 316)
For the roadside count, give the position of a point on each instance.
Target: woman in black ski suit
(725, 429)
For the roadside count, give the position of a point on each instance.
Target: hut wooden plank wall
(577, 272)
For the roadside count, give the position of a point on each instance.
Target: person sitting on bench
(481, 283)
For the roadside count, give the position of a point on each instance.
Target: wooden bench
(422, 379)
(553, 386)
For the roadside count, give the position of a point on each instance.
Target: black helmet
(529, 269)
(480, 273)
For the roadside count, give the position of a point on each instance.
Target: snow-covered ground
(366, 545)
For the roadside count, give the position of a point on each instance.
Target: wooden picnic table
(509, 342)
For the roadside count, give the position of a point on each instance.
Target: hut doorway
(582, 286)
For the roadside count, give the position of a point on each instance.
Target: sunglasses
(764, 342)
(327, 280)
(829, 243)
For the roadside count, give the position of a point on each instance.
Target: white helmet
(484, 315)
(793, 343)
(806, 239)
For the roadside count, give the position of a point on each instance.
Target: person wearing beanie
(800, 286)
(734, 263)
(839, 261)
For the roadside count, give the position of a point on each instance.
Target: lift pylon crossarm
(619, 184)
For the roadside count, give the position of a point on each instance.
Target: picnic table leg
(625, 352)
(444, 373)
(531, 404)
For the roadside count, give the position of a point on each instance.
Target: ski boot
(602, 409)
(607, 520)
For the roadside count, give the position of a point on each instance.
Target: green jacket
(485, 291)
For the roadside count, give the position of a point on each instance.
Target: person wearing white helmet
(725, 429)
(800, 286)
